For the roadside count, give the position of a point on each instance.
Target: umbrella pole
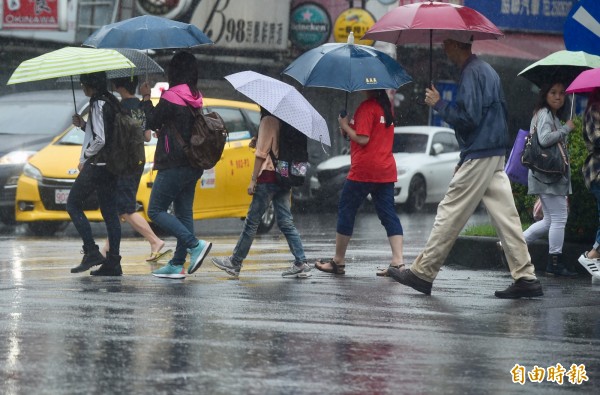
(572, 104)
(431, 56)
(73, 92)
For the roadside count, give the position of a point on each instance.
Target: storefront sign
(250, 24)
(30, 14)
(310, 26)
(354, 20)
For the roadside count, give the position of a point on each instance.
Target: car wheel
(268, 219)
(417, 193)
(46, 228)
(7, 216)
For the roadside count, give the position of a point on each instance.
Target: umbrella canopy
(283, 101)
(69, 61)
(561, 65)
(585, 82)
(147, 32)
(347, 67)
(432, 22)
(144, 65)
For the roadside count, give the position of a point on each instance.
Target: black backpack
(124, 153)
(291, 165)
(207, 141)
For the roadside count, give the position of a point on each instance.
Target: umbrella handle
(73, 92)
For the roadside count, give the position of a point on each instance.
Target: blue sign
(544, 16)
(582, 27)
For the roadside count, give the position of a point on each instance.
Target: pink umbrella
(585, 82)
(430, 22)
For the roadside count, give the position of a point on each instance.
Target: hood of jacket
(182, 96)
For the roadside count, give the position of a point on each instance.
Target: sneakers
(407, 277)
(170, 271)
(228, 266)
(197, 255)
(521, 289)
(592, 265)
(302, 271)
(92, 258)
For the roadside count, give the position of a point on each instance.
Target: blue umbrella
(147, 32)
(347, 67)
(582, 27)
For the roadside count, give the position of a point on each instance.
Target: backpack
(291, 165)
(125, 152)
(207, 141)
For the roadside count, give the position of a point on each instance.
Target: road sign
(582, 27)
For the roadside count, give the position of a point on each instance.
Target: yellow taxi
(45, 183)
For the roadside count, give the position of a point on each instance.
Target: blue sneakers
(170, 271)
(197, 255)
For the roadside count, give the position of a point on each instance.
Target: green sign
(310, 26)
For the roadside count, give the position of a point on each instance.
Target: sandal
(383, 271)
(155, 256)
(335, 268)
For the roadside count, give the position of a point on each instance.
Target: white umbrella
(283, 101)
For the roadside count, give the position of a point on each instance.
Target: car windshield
(34, 117)
(410, 143)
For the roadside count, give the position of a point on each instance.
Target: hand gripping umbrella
(432, 22)
(283, 101)
(347, 67)
(69, 61)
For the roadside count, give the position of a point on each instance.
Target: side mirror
(437, 149)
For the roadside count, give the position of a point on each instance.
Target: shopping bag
(514, 168)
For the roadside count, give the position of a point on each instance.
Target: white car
(425, 160)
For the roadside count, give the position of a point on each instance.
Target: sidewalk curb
(477, 252)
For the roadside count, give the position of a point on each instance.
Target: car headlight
(16, 157)
(401, 170)
(32, 172)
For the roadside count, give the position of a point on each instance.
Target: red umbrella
(430, 22)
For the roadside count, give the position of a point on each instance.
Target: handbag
(550, 160)
(514, 168)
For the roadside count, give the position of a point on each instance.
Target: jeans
(595, 190)
(556, 211)
(178, 186)
(354, 194)
(99, 179)
(280, 196)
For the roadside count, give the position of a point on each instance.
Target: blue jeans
(104, 183)
(177, 186)
(354, 194)
(595, 190)
(280, 196)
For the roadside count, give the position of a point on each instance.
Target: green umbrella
(563, 66)
(69, 61)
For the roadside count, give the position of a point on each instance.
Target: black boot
(91, 257)
(556, 267)
(112, 266)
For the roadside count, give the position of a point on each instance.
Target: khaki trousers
(476, 180)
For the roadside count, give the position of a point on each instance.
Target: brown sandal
(383, 272)
(335, 268)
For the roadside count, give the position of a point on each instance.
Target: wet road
(261, 334)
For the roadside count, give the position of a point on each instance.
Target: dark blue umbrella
(347, 67)
(147, 32)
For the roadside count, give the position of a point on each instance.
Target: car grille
(47, 189)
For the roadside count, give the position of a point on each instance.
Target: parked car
(44, 187)
(425, 160)
(28, 122)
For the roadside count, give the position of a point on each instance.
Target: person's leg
(540, 228)
(500, 204)
(285, 222)
(465, 191)
(352, 196)
(82, 188)
(105, 186)
(383, 200)
(140, 225)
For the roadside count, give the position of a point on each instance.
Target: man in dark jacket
(480, 120)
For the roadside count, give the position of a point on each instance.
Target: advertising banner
(30, 14)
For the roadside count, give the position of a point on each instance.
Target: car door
(442, 164)
(223, 188)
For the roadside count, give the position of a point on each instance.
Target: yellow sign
(354, 20)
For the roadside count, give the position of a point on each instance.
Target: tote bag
(514, 168)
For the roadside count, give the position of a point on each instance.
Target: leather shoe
(521, 289)
(408, 278)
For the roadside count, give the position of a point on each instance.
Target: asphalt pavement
(262, 334)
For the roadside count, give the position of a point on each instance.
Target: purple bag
(514, 169)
